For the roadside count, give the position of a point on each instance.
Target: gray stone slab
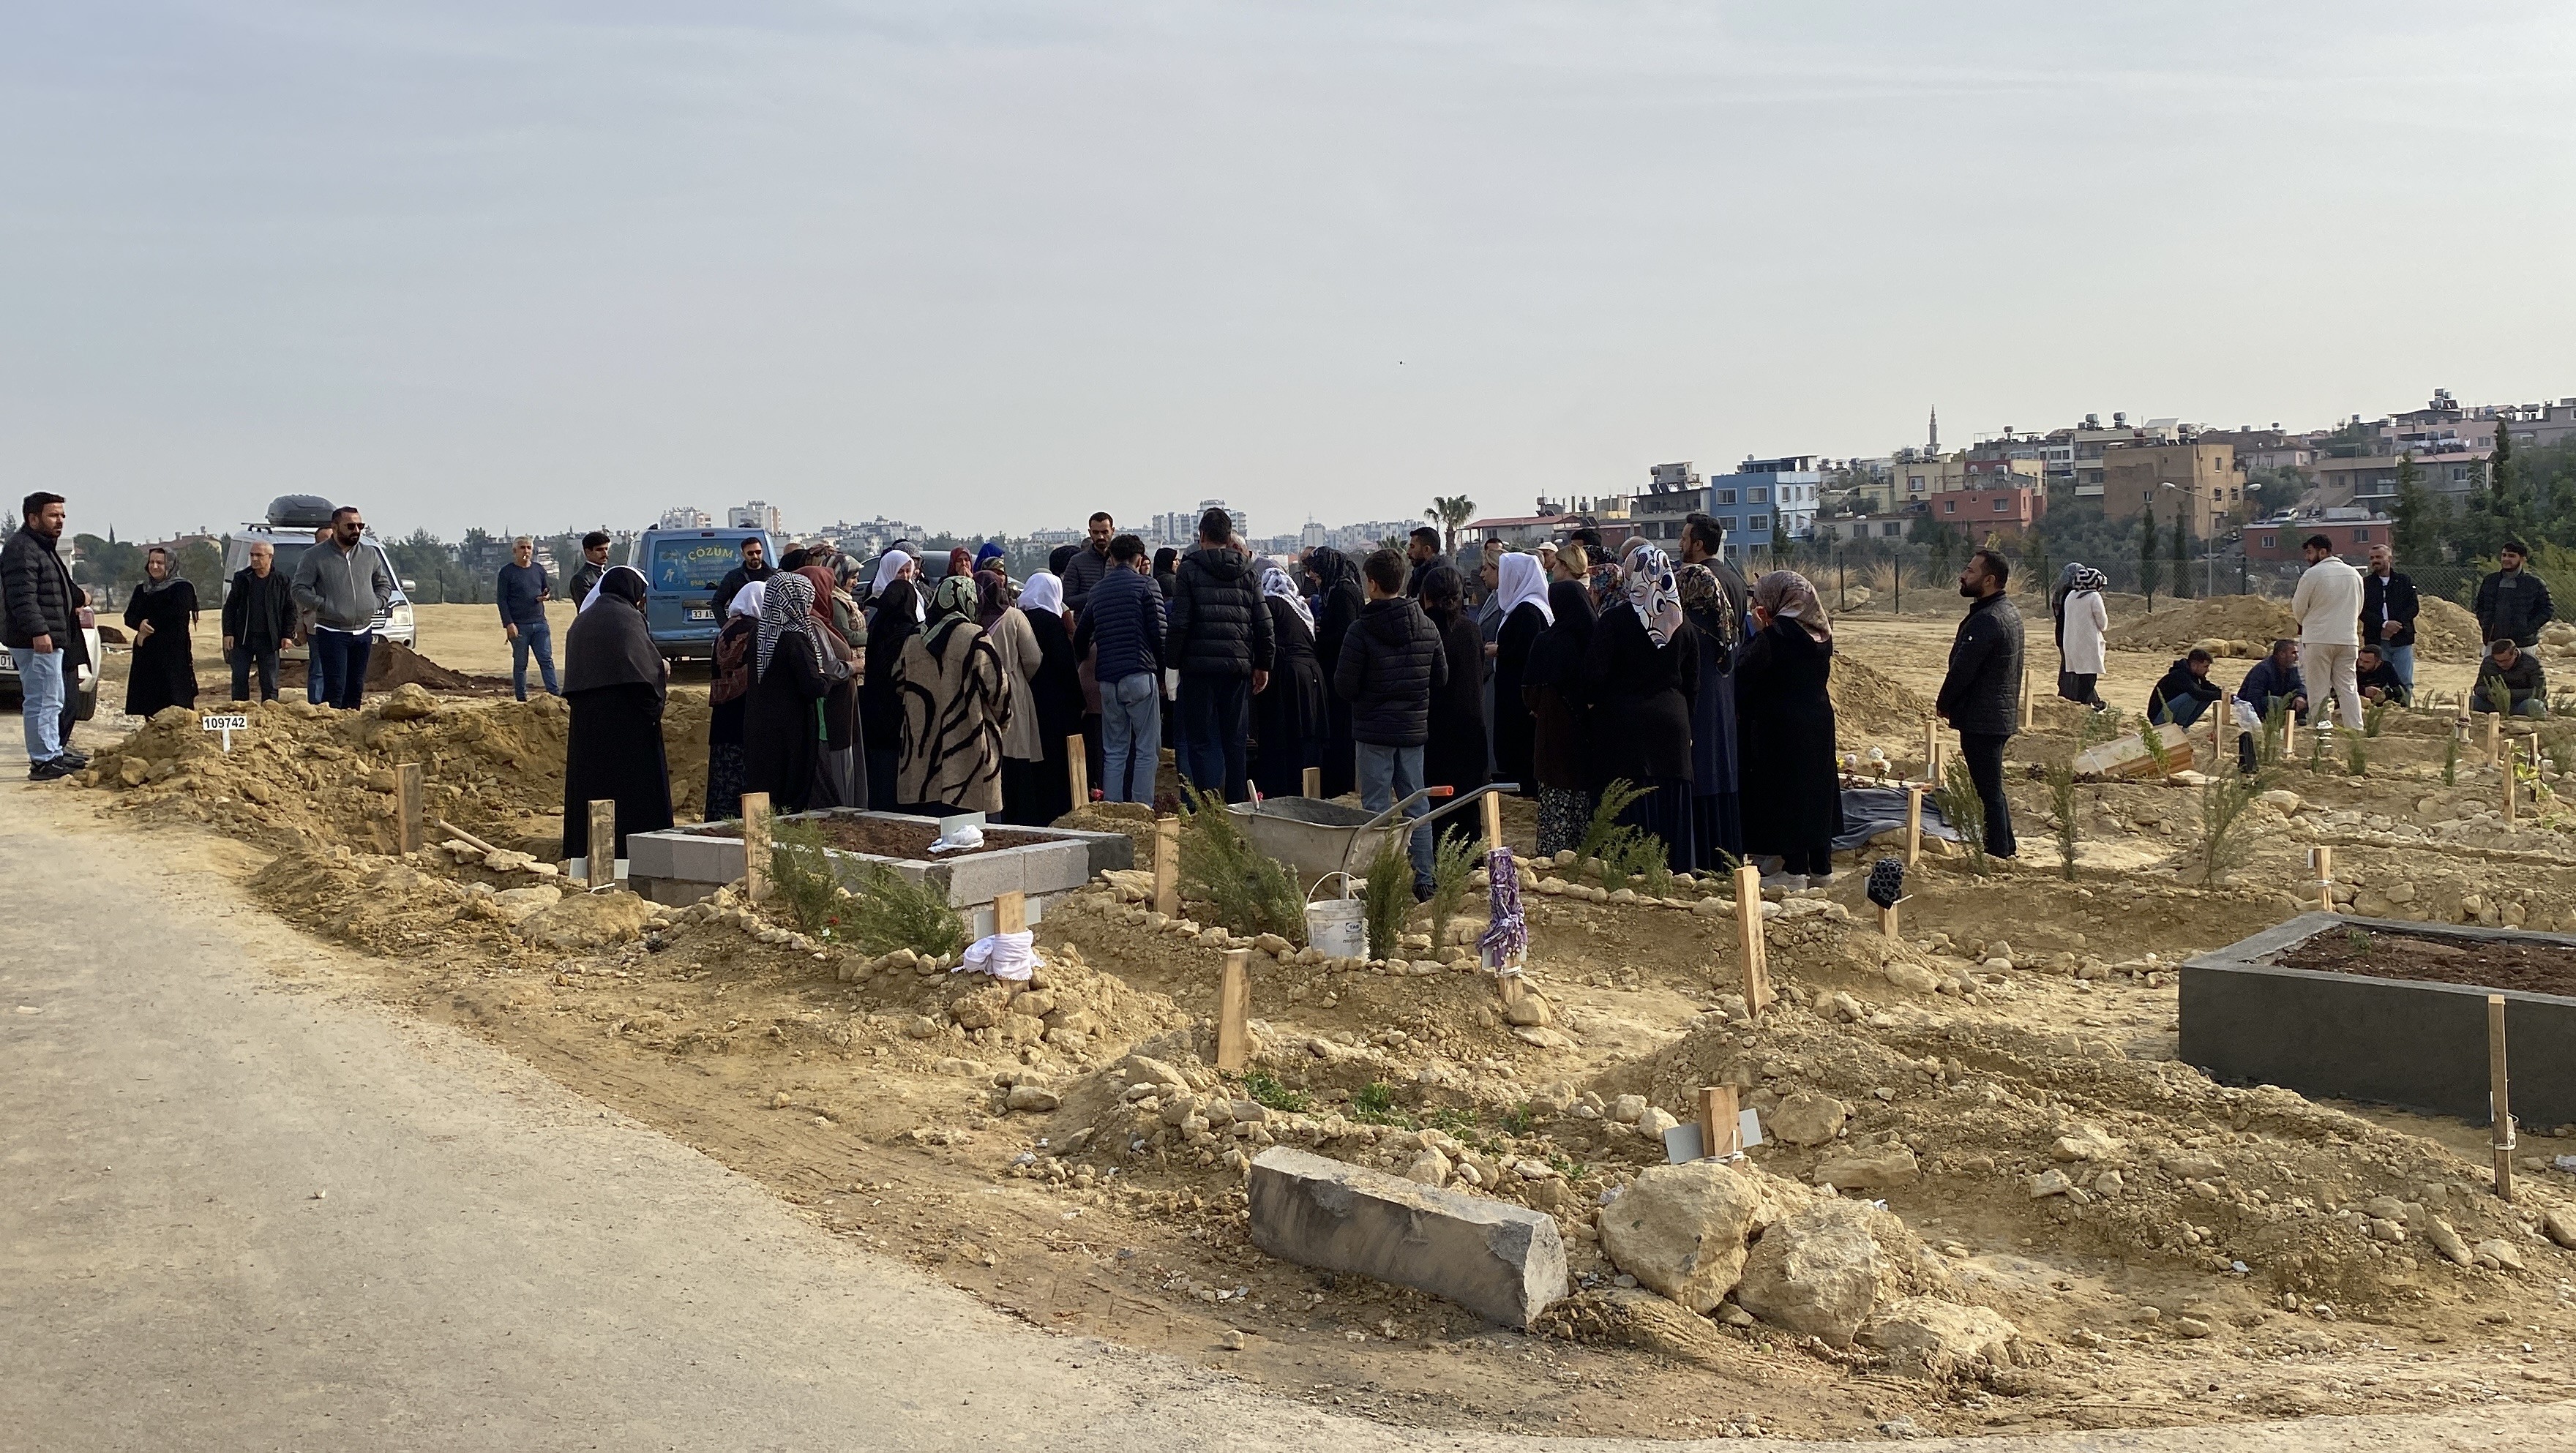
(1503, 1262)
(1053, 867)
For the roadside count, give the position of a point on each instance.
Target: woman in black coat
(1713, 600)
(1339, 585)
(1057, 690)
(1561, 719)
(161, 613)
(1288, 715)
(615, 681)
(1641, 674)
(1454, 757)
(880, 712)
(1784, 721)
(1522, 584)
(793, 670)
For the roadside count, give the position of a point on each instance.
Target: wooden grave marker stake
(1721, 1131)
(2495, 736)
(2289, 735)
(1311, 782)
(1749, 947)
(1913, 826)
(1931, 749)
(602, 871)
(1887, 920)
(407, 807)
(1011, 912)
(755, 845)
(1493, 821)
(1077, 768)
(1233, 1009)
(1167, 866)
(2512, 786)
(2500, 1097)
(2322, 859)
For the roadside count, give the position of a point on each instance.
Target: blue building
(1763, 501)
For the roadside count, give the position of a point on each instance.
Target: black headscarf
(897, 620)
(1444, 594)
(609, 644)
(1556, 657)
(1061, 557)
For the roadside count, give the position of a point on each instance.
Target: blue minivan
(681, 570)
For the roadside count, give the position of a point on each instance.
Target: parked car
(289, 528)
(681, 570)
(84, 694)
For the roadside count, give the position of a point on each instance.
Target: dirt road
(249, 1209)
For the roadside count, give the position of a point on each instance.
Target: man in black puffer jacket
(1391, 663)
(1219, 640)
(1981, 697)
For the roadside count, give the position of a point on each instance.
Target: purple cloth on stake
(1506, 940)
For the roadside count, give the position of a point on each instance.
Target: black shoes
(51, 771)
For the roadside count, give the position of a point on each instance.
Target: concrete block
(1053, 867)
(1504, 1262)
(685, 855)
(980, 877)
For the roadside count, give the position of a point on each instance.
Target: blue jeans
(2402, 658)
(1131, 736)
(40, 678)
(339, 661)
(1387, 774)
(243, 658)
(2183, 712)
(1216, 730)
(540, 638)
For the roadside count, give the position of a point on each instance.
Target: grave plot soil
(2004, 1076)
(2500, 964)
(906, 840)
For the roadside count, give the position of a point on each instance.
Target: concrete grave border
(2404, 1042)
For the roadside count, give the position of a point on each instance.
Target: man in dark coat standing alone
(40, 622)
(1219, 640)
(1390, 664)
(1981, 697)
(259, 619)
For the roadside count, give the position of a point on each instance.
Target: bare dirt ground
(2204, 1253)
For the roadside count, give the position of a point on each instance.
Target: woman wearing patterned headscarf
(1288, 716)
(1641, 676)
(1522, 584)
(1016, 645)
(1716, 616)
(793, 670)
(2082, 620)
(1792, 792)
(1339, 586)
(955, 708)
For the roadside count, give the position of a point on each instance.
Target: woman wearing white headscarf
(2083, 620)
(1522, 584)
(614, 681)
(1056, 695)
(793, 669)
(729, 693)
(1288, 723)
(1641, 686)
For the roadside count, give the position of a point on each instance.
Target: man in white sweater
(2328, 606)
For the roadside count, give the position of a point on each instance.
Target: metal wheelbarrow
(1320, 839)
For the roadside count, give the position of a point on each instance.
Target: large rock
(1818, 1272)
(1501, 1261)
(1680, 1229)
(1807, 1118)
(407, 702)
(1868, 1170)
(1940, 1340)
(586, 921)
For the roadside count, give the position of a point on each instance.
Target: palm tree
(1449, 511)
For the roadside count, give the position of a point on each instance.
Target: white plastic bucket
(1336, 929)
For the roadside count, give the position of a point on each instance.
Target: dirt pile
(308, 776)
(2232, 625)
(2445, 631)
(391, 664)
(1868, 704)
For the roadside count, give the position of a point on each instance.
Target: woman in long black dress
(1057, 691)
(1455, 754)
(162, 613)
(1339, 585)
(880, 710)
(1523, 586)
(614, 680)
(1793, 802)
(1641, 674)
(1713, 599)
(792, 671)
(1288, 714)
(1561, 719)
(728, 692)
(839, 770)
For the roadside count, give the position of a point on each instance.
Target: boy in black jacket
(1391, 663)
(2184, 692)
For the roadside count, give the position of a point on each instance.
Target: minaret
(1934, 448)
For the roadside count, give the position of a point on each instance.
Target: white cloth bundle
(1003, 955)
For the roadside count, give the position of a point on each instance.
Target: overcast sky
(989, 265)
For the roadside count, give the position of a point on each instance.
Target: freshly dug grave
(1867, 702)
(305, 775)
(2499, 964)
